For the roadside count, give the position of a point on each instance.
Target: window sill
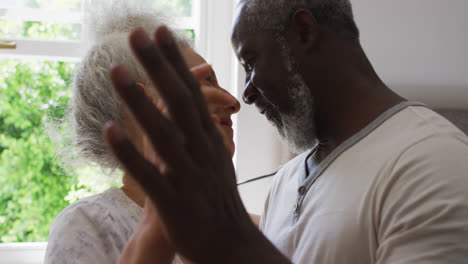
(22, 253)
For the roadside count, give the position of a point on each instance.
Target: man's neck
(339, 120)
(354, 97)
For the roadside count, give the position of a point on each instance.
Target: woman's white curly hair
(94, 102)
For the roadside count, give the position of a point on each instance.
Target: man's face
(273, 84)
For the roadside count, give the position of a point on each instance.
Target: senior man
(379, 180)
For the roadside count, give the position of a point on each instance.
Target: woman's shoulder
(101, 224)
(94, 210)
(84, 209)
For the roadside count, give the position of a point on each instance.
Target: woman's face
(221, 104)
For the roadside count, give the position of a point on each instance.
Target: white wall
(418, 47)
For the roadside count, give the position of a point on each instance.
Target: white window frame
(63, 50)
(59, 50)
(22, 253)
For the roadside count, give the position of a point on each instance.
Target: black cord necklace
(257, 178)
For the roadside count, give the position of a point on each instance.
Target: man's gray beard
(297, 128)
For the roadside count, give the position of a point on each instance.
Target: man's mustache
(263, 104)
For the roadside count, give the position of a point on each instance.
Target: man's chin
(298, 138)
(274, 118)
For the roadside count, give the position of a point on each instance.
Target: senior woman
(96, 229)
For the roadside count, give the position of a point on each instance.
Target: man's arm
(195, 194)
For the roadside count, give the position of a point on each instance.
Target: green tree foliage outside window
(33, 186)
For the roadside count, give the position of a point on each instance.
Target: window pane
(32, 185)
(39, 30)
(188, 34)
(182, 7)
(62, 5)
(34, 188)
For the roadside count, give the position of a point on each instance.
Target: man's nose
(250, 93)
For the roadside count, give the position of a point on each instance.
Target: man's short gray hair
(275, 15)
(94, 101)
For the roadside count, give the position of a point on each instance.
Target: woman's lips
(226, 122)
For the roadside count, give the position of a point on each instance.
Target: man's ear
(303, 30)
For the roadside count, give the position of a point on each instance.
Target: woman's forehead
(191, 57)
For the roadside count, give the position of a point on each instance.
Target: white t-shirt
(397, 192)
(93, 230)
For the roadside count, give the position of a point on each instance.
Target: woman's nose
(231, 104)
(234, 107)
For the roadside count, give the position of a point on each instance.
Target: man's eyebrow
(242, 51)
(247, 49)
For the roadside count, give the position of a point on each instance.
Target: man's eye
(249, 67)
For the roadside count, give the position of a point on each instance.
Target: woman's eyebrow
(212, 78)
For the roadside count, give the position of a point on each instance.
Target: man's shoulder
(434, 161)
(419, 123)
(411, 127)
(437, 152)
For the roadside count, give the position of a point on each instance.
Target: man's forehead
(242, 37)
(242, 2)
(239, 17)
(241, 26)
